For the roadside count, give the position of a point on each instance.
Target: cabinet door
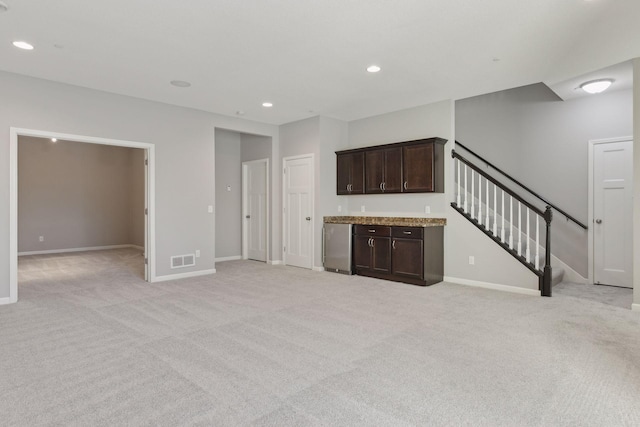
(381, 254)
(393, 170)
(418, 168)
(357, 173)
(344, 173)
(361, 252)
(407, 257)
(374, 171)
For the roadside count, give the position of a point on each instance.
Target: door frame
(284, 203)
(590, 218)
(245, 237)
(150, 228)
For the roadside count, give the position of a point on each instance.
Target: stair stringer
(494, 267)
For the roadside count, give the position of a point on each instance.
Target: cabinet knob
(308, 218)
(405, 185)
(406, 232)
(598, 221)
(248, 216)
(381, 186)
(393, 244)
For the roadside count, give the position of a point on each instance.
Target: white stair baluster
(473, 195)
(537, 261)
(528, 253)
(502, 213)
(466, 192)
(479, 199)
(486, 222)
(458, 195)
(511, 222)
(495, 210)
(520, 228)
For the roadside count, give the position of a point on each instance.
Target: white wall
(254, 147)
(543, 142)
(228, 173)
(184, 141)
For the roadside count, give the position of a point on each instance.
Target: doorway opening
(52, 230)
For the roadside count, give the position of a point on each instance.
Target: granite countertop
(386, 220)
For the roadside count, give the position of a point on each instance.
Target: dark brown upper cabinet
(404, 167)
(350, 173)
(383, 170)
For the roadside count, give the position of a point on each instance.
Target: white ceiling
(309, 57)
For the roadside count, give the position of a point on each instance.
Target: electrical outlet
(228, 188)
(197, 253)
(41, 238)
(427, 209)
(472, 260)
(210, 209)
(339, 208)
(362, 208)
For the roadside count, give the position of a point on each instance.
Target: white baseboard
(318, 268)
(228, 258)
(90, 248)
(275, 262)
(7, 300)
(184, 275)
(635, 307)
(494, 286)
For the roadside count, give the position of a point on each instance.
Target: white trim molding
(275, 262)
(318, 268)
(184, 275)
(228, 258)
(492, 286)
(90, 248)
(4, 301)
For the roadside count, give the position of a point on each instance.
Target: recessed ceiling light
(3, 6)
(596, 86)
(23, 45)
(54, 139)
(180, 83)
(267, 104)
(373, 68)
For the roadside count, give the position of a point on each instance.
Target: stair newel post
(546, 282)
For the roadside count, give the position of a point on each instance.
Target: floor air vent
(180, 261)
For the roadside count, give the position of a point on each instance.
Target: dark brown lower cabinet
(403, 254)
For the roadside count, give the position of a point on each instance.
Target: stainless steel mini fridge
(336, 248)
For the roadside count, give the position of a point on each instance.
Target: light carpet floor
(90, 343)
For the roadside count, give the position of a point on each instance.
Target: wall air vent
(180, 261)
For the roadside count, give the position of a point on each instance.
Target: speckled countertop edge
(386, 220)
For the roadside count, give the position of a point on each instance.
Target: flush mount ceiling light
(267, 104)
(373, 68)
(180, 83)
(54, 139)
(596, 86)
(23, 45)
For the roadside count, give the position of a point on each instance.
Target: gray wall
(228, 203)
(254, 147)
(184, 142)
(78, 195)
(543, 142)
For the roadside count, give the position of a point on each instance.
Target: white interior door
(613, 213)
(255, 189)
(298, 211)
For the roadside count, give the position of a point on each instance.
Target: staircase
(507, 218)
